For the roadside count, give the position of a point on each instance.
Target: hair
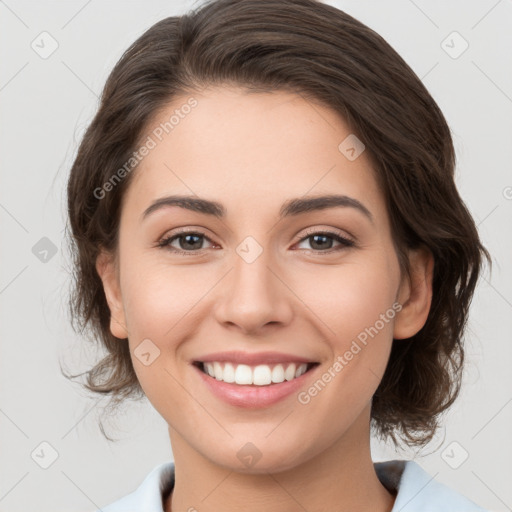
(325, 55)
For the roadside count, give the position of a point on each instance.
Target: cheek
(352, 296)
(357, 307)
(160, 310)
(159, 296)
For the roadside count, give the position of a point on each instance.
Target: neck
(340, 478)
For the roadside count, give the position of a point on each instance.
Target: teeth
(243, 374)
(278, 374)
(229, 373)
(217, 371)
(261, 375)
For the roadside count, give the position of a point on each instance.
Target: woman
(271, 247)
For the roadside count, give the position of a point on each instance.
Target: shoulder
(148, 497)
(417, 491)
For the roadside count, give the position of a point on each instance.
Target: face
(266, 284)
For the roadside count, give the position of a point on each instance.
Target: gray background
(46, 105)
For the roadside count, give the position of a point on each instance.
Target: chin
(270, 459)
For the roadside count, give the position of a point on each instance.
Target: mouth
(254, 375)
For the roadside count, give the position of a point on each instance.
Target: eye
(319, 240)
(189, 240)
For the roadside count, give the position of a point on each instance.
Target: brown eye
(322, 241)
(189, 242)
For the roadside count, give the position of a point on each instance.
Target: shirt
(416, 490)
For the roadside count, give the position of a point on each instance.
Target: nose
(253, 296)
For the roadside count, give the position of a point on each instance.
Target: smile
(257, 375)
(255, 388)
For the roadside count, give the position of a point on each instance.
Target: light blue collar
(417, 491)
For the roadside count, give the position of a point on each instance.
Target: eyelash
(345, 242)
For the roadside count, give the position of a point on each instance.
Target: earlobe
(105, 266)
(415, 295)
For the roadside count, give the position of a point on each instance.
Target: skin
(252, 152)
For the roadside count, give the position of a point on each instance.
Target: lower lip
(251, 396)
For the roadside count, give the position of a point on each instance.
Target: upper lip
(251, 359)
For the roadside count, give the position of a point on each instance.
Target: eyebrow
(290, 208)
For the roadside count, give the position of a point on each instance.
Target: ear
(106, 268)
(415, 295)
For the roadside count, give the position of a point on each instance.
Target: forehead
(251, 151)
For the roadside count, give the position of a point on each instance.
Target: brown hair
(322, 53)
